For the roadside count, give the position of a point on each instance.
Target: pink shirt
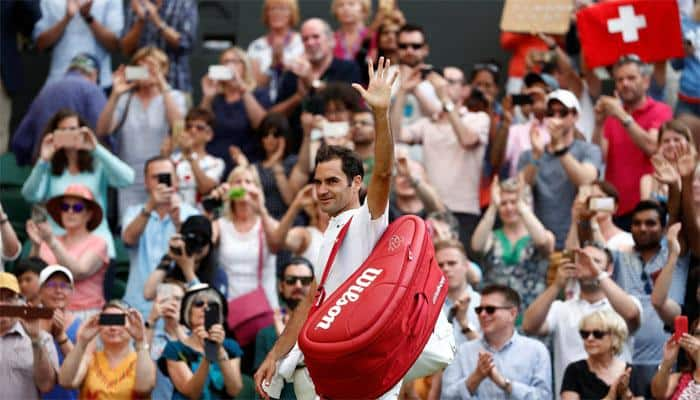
(88, 292)
(453, 170)
(626, 163)
(519, 142)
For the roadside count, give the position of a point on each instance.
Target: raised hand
(33, 232)
(691, 345)
(89, 329)
(217, 334)
(664, 172)
(135, 325)
(536, 142)
(210, 87)
(90, 141)
(85, 8)
(71, 8)
(410, 78)
(586, 261)
(686, 160)
(674, 245)
(119, 83)
(58, 324)
(237, 156)
(378, 92)
(565, 272)
(305, 196)
(484, 365)
(402, 168)
(138, 8)
(47, 148)
(671, 348)
(496, 192)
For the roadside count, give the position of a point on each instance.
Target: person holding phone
(116, 371)
(140, 111)
(205, 364)
(85, 162)
(82, 252)
(29, 359)
(683, 384)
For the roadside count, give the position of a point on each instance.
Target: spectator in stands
(502, 363)
(673, 136)
(681, 384)
(687, 109)
(238, 108)
(147, 227)
(600, 219)
(190, 259)
(194, 375)
(555, 170)
(77, 91)
(516, 254)
(115, 371)
(601, 374)
(461, 296)
(627, 132)
(86, 162)
(79, 250)
(69, 27)
(17, 19)
(10, 247)
(198, 172)
(240, 235)
(453, 141)
(362, 135)
(29, 360)
(295, 282)
(519, 44)
(56, 287)
(27, 272)
(352, 32)
(272, 53)
(144, 116)
(591, 268)
(388, 39)
(170, 25)
(412, 193)
(485, 76)
(416, 96)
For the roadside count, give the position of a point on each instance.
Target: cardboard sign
(530, 16)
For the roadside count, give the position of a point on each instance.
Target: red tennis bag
(360, 341)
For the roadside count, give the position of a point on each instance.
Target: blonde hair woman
(602, 375)
(238, 108)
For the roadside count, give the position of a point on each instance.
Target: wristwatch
(508, 385)
(627, 121)
(602, 275)
(88, 19)
(448, 106)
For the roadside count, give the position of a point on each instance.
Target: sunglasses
(77, 207)
(490, 309)
(200, 303)
(292, 280)
(596, 334)
(647, 282)
(58, 285)
(414, 46)
(561, 112)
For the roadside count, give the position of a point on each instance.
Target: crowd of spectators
(565, 218)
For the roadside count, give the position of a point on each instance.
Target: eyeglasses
(200, 303)
(489, 66)
(414, 46)
(292, 280)
(559, 112)
(199, 127)
(58, 285)
(77, 207)
(596, 334)
(490, 309)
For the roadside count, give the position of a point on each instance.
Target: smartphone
(165, 179)
(212, 316)
(236, 193)
(136, 73)
(112, 319)
(67, 138)
(607, 87)
(335, 129)
(681, 327)
(521, 99)
(176, 250)
(26, 312)
(165, 291)
(606, 204)
(210, 204)
(39, 214)
(220, 73)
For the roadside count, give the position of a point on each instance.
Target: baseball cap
(86, 63)
(9, 281)
(54, 269)
(566, 98)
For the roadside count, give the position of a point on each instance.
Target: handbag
(251, 312)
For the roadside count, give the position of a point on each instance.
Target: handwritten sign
(528, 16)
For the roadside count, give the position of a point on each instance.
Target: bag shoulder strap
(260, 254)
(126, 113)
(320, 291)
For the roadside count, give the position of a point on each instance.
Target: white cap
(566, 98)
(46, 273)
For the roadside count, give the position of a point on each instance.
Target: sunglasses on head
(490, 309)
(200, 303)
(414, 46)
(489, 66)
(560, 112)
(77, 207)
(596, 334)
(292, 280)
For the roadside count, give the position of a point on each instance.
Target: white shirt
(238, 256)
(563, 321)
(260, 50)
(314, 247)
(213, 167)
(586, 121)
(362, 235)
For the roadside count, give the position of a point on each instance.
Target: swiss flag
(650, 29)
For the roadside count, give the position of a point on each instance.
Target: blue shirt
(74, 92)
(523, 360)
(78, 38)
(690, 77)
(182, 16)
(59, 392)
(145, 256)
(637, 278)
(16, 17)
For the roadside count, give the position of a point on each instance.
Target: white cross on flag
(650, 29)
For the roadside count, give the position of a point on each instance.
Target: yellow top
(104, 382)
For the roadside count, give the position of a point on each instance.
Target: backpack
(361, 341)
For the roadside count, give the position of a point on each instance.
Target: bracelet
(145, 213)
(466, 329)
(223, 358)
(144, 346)
(561, 152)
(89, 19)
(602, 275)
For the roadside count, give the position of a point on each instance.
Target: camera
(193, 244)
